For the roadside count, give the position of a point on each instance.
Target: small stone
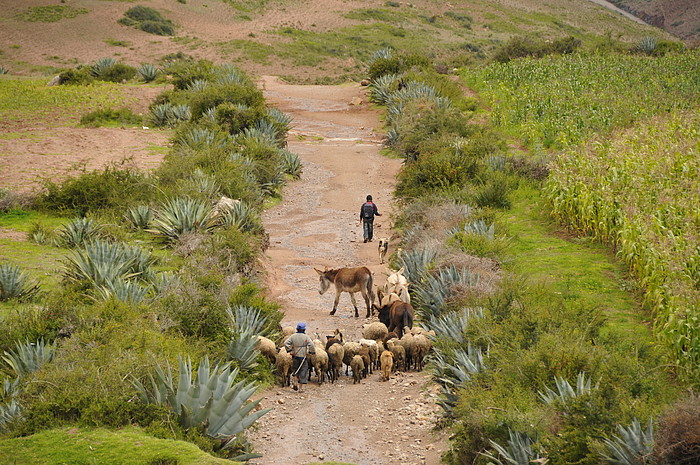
(281, 401)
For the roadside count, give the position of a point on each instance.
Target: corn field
(559, 101)
(640, 192)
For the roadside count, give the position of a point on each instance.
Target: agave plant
(452, 370)
(209, 115)
(385, 53)
(241, 349)
(77, 232)
(565, 391)
(198, 85)
(518, 452)
(633, 447)
(163, 280)
(9, 412)
(212, 401)
(180, 113)
(431, 292)
(16, 284)
(101, 65)
(182, 215)
(381, 88)
(200, 138)
(103, 263)
(40, 234)
(647, 45)
(480, 228)
(291, 163)
(139, 216)
(243, 318)
(28, 356)
(123, 290)
(161, 114)
(4, 70)
(281, 120)
(272, 131)
(259, 136)
(147, 72)
(417, 262)
(204, 183)
(229, 74)
(452, 326)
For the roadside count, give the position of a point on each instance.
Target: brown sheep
(364, 353)
(357, 366)
(387, 359)
(399, 353)
(351, 349)
(283, 364)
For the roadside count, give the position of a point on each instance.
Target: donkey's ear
(318, 271)
(400, 270)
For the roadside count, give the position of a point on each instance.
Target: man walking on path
(368, 211)
(300, 346)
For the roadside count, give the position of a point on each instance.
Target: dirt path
(316, 225)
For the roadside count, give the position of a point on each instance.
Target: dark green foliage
(114, 187)
(185, 70)
(234, 117)
(215, 95)
(109, 116)
(148, 20)
(397, 64)
(119, 72)
(518, 47)
(79, 76)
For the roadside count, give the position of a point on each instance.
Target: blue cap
(301, 327)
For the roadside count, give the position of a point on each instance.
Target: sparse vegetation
(51, 13)
(148, 20)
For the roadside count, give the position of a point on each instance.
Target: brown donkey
(348, 280)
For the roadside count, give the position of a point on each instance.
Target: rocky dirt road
(336, 134)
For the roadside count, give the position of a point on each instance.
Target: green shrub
(185, 71)
(51, 13)
(397, 64)
(80, 76)
(116, 186)
(119, 72)
(519, 46)
(148, 20)
(235, 117)
(110, 117)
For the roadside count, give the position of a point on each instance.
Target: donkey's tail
(370, 286)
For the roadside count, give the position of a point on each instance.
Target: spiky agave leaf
(633, 447)
(123, 290)
(161, 114)
(9, 412)
(432, 291)
(101, 65)
(565, 391)
(246, 318)
(77, 232)
(211, 400)
(28, 356)
(452, 326)
(147, 72)
(280, 119)
(518, 452)
(204, 183)
(201, 138)
(417, 262)
(102, 263)
(241, 216)
(291, 163)
(381, 88)
(16, 284)
(180, 113)
(139, 216)
(229, 74)
(198, 85)
(182, 215)
(241, 349)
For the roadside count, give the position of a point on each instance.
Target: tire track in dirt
(316, 225)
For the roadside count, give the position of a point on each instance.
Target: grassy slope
(129, 446)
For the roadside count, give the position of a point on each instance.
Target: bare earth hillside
(679, 17)
(305, 39)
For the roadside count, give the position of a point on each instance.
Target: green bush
(518, 47)
(148, 20)
(113, 187)
(397, 64)
(110, 117)
(185, 70)
(79, 76)
(235, 117)
(119, 72)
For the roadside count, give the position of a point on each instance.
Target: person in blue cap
(300, 346)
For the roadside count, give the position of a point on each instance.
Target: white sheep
(288, 331)
(375, 331)
(267, 348)
(319, 361)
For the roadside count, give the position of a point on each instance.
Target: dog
(383, 247)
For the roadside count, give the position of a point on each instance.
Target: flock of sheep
(385, 348)
(379, 349)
